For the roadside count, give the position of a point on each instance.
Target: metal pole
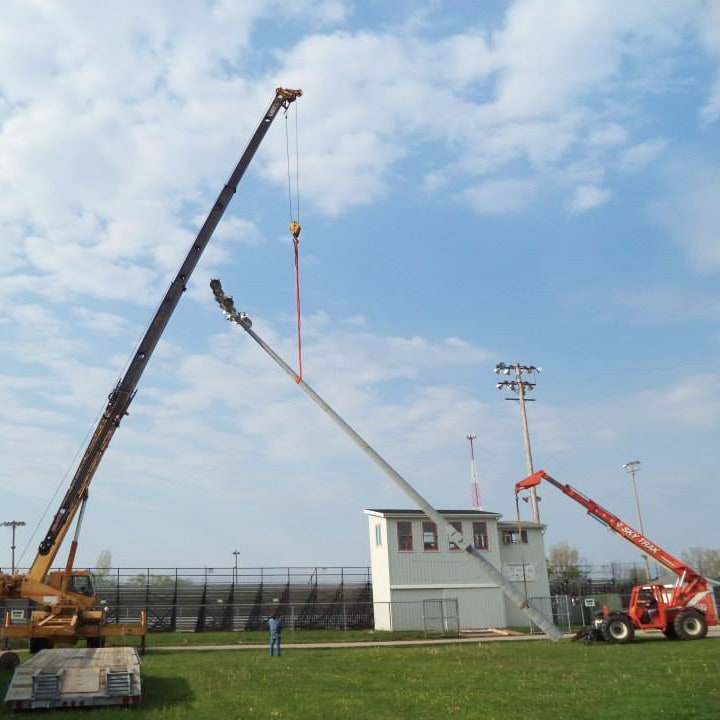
(474, 486)
(506, 587)
(528, 449)
(520, 386)
(633, 467)
(12, 549)
(236, 553)
(13, 524)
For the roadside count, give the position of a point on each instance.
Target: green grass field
(493, 680)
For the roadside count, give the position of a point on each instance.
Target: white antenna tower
(474, 487)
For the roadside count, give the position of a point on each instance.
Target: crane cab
(649, 606)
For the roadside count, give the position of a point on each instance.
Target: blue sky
(531, 182)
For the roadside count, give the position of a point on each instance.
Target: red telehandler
(683, 611)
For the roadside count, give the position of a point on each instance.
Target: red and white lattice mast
(474, 487)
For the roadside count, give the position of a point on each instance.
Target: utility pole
(633, 467)
(474, 487)
(13, 524)
(520, 387)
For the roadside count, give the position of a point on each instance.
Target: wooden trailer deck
(76, 677)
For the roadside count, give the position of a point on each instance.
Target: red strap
(296, 243)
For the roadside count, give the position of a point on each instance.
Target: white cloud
(689, 210)
(464, 60)
(708, 25)
(434, 181)
(710, 112)
(693, 402)
(550, 56)
(638, 157)
(612, 134)
(500, 196)
(531, 92)
(101, 322)
(587, 197)
(649, 305)
(134, 103)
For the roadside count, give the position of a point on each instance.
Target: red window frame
(458, 526)
(480, 535)
(404, 539)
(429, 530)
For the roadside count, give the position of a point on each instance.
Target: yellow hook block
(295, 228)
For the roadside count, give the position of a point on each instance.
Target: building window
(429, 535)
(457, 526)
(513, 537)
(405, 536)
(378, 535)
(480, 536)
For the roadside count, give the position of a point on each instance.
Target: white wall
(417, 575)
(532, 556)
(379, 565)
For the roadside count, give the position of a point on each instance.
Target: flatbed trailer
(76, 677)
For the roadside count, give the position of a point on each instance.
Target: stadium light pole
(13, 524)
(632, 468)
(520, 387)
(236, 553)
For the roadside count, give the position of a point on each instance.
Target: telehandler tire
(618, 629)
(690, 625)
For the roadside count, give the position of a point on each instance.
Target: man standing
(275, 625)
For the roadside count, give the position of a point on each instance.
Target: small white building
(413, 563)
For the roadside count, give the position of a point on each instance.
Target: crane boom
(122, 394)
(605, 517)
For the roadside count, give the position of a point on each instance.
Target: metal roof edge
(394, 512)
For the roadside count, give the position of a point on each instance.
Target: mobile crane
(59, 607)
(682, 611)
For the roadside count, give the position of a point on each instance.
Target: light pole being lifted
(520, 387)
(474, 487)
(452, 533)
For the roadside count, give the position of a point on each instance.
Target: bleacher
(207, 599)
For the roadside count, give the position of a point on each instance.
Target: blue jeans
(274, 643)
